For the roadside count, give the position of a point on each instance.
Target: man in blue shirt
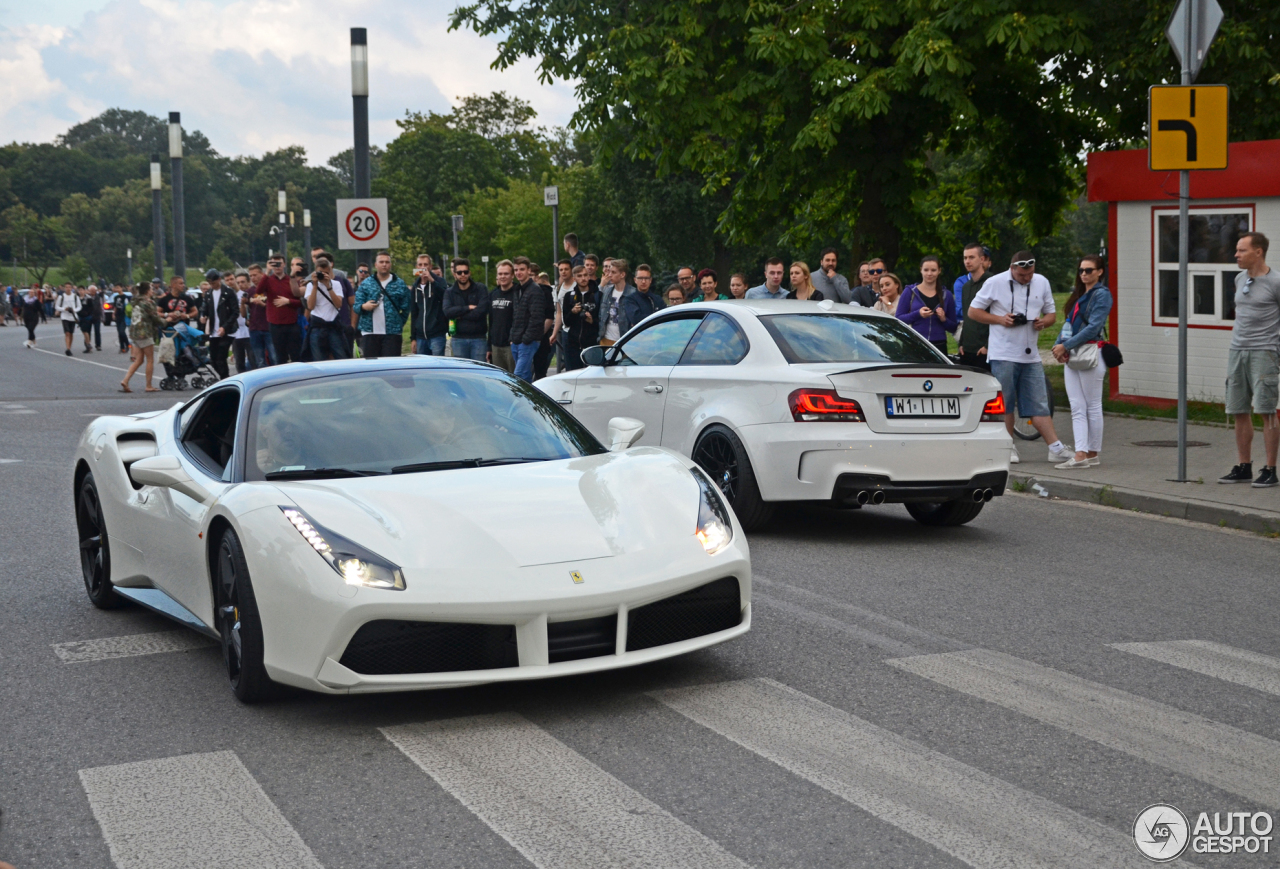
(977, 262)
(772, 286)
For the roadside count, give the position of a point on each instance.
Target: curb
(1191, 509)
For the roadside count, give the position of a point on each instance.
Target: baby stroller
(190, 359)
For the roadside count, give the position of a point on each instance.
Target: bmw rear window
(848, 338)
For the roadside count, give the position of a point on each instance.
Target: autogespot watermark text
(1163, 833)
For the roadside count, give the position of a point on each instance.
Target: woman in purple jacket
(927, 306)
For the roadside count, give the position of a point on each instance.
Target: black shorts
(69, 326)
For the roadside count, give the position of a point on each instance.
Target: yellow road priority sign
(1188, 127)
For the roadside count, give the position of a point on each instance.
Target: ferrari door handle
(654, 388)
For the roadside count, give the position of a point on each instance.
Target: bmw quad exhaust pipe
(877, 498)
(982, 496)
(863, 497)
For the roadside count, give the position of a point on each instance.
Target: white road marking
(9, 461)
(1238, 666)
(78, 359)
(1226, 757)
(550, 803)
(861, 634)
(191, 812)
(958, 809)
(81, 651)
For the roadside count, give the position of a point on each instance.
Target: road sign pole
(1184, 234)
(555, 233)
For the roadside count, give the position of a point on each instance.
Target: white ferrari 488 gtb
(408, 523)
(802, 401)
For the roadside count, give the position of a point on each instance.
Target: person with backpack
(927, 307)
(67, 306)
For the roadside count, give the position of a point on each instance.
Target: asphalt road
(907, 697)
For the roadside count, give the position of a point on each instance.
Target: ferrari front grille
(584, 638)
(386, 647)
(716, 606)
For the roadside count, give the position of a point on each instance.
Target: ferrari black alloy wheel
(95, 548)
(720, 453)
(238, 623)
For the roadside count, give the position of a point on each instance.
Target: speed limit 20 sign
(362, 224)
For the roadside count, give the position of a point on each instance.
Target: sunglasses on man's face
(875, 271)
(1023, 264)
(461, 272)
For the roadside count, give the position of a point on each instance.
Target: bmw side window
(209, 438)
(718, 341)
(659, 344)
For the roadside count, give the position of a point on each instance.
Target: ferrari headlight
(715, 528)
(355, 564)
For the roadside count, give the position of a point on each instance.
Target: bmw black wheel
(95, 547)
(720, 453)
(239, 624)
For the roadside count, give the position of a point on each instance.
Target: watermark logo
(1161, 833)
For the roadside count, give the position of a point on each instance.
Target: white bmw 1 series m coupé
(802, 401)
(381, 525)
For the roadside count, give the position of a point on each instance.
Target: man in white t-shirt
(564, 286)
(1017, 304)
(67, 306)
(324, 295)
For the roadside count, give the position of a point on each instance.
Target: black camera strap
(1026, 304)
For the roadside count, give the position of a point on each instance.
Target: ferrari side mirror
(624, 432)
(167, 472)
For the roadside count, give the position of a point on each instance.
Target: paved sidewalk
(1135, 474)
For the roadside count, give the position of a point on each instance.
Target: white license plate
(901, 405)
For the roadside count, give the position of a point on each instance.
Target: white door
(634, 380)
(708, 383)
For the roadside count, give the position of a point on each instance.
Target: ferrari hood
(510, 515)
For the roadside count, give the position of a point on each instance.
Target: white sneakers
(1061, 454)
(28, 343)
(1013, 456)
(1073, 463)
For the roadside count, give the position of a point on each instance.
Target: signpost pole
(1184, 231)
(555, 232)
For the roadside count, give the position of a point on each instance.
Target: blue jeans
(326, 340)
(524, 354)
(261, 350)
(429, 346)
(470, 348)
(1023, 386)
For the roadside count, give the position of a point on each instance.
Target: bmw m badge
(928, 386)
(576, 577)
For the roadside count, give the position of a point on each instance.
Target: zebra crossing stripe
(80, 651)
(958, 809)
(550, 803)
(1218, 754)
(1237, 666)
(191, 812)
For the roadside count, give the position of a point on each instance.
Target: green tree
(76, 270)
(36, 242)
(426, 172)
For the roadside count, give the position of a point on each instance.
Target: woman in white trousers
(1086, 311)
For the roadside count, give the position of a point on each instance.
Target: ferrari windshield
(406, 421)
(848, 338)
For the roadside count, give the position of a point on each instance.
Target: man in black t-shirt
(501, 307)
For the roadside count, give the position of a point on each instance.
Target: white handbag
(1084, 357)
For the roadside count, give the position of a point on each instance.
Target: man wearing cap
(220, 318)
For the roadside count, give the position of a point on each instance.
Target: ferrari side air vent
(706, 609)
(386, 647)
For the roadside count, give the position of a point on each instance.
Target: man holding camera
(283, 305)
(325, 296)
(428, 326)
(1017, 304)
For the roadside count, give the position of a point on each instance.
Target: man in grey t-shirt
(1253, 362)
(828, 281)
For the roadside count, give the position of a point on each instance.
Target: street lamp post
(157, 216)
(282, 204)
(179, 215)
(360, 117)
(306, 238)
(128, 252)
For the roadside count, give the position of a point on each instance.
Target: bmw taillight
(823, 405)
(993, 410)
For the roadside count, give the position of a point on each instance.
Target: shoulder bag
(1084, 357)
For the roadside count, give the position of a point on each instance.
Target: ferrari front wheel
(95, 547)
(239, 624)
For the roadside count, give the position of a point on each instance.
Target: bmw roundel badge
(928, 386)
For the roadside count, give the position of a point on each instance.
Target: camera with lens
(1019, 319)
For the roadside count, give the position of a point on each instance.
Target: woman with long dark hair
(143, 335)
(1086, 311)
(928, 307)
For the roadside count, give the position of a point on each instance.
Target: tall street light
(179, 215)
(306, 238)
(282, 205)
(360, 116)
(157, 216)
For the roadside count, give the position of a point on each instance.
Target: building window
(1211, 267)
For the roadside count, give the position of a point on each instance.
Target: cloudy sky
(253, 75)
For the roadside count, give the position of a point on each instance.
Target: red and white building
(1143, 270)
